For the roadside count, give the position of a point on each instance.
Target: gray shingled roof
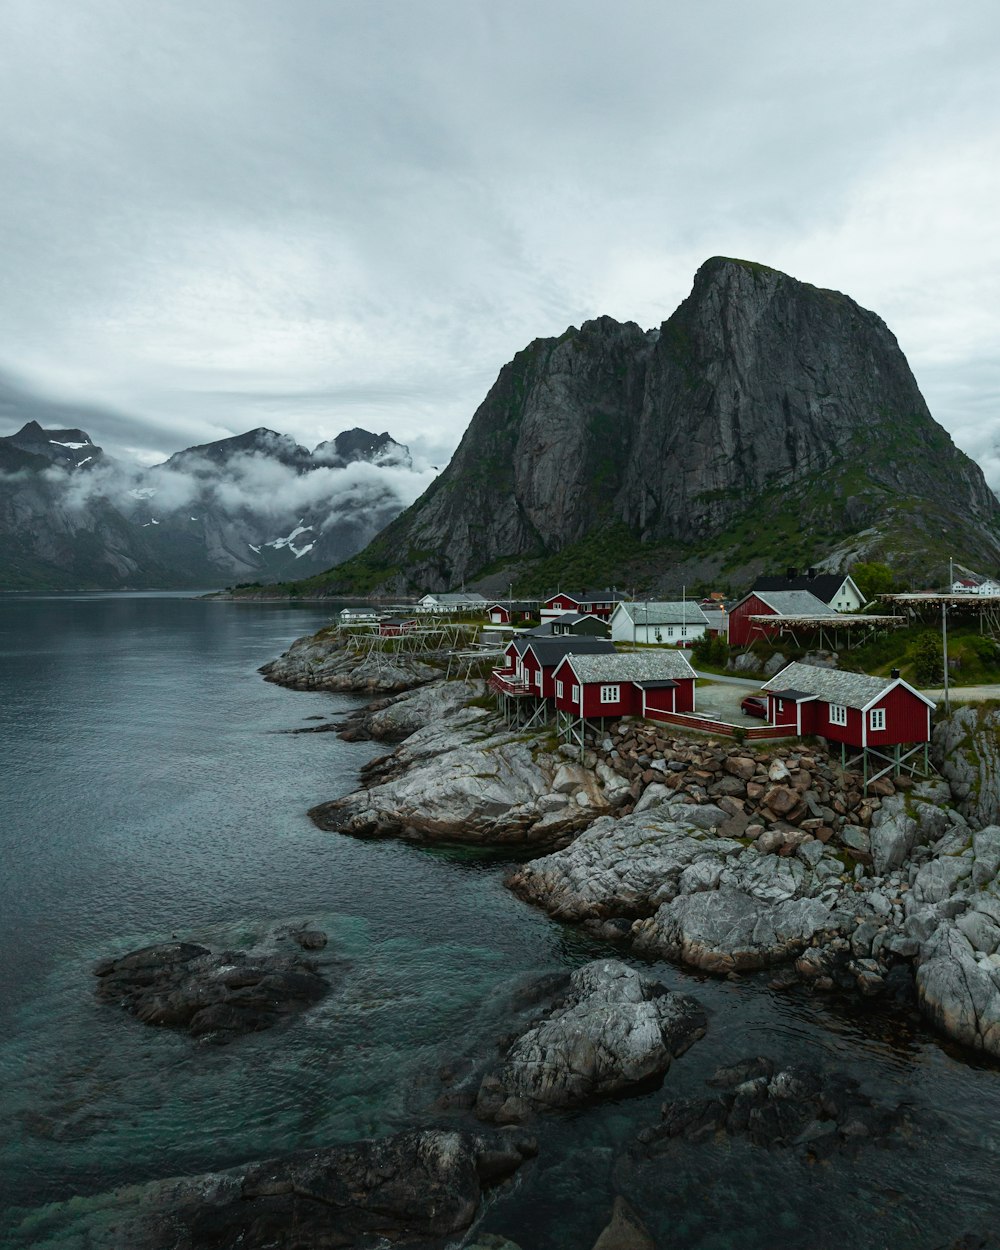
(795, 603)
(674, 612)
(632, 666)
(551, 650)
(830, 684)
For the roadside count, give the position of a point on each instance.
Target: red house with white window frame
(598, 603)
(531, 662)
(624, 684)
(855, 709)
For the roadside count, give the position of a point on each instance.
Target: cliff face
(762, 399)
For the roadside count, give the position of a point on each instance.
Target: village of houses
(577, 659)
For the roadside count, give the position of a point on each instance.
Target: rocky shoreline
(725, 858)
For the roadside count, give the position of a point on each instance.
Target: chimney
(894, 674)
(810, 573)
(791, 573)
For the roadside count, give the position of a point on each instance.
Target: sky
(319, 214)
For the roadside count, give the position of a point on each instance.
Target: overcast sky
(315, 214)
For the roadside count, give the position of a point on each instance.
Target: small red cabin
(624, 684)
(853, 708)
(531, 662)
(511, 613)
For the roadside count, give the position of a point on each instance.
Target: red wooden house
(598, 602)
(743, 629)
(862, 712)
(624, 684)
(531, 662)
(510, 613)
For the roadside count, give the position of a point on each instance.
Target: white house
(679, 623)
(462, 601)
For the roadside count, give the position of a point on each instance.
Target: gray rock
(957, 993)
(616, 1029)
(729, 930)
(986, 848)
(940, 879)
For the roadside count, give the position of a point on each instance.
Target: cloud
(248, 483)
(216, 217)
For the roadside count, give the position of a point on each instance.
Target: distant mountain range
(767, 422)
(256, 507)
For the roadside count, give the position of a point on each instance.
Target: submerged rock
(216, 996)
(796, 1107)
(419, 1188)
(615, 1029)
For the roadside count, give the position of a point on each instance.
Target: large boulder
(959, 989)
(615, 1029)
(452, 782)
(730, 930)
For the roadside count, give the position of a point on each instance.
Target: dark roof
(586, 596)
(552, 650)
(655, 685)
(823, 585)
(796, 696)
(540, 631)
(516, 605)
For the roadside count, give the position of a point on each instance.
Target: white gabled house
(679, 623)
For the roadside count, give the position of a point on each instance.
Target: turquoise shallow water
(148, 790)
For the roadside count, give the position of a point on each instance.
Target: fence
(691, 720)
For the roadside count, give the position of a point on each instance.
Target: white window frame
(611, 694)
(838, 714)
(670, 631)
(559, 690)
(876, 719)
(538, 678)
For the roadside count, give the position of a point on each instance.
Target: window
(876, 718)
(670, 631)
(610, 694)
(684, 632)
(572, 692)
(538, 679)
(838, 714)
(559, 690)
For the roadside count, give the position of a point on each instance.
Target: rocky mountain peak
(762, 407)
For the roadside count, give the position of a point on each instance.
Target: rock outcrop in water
(421, 1188)
(211, 995)
(321, 661)
(759, 392)
(615, 1029)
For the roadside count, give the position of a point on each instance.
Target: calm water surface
(149, 788)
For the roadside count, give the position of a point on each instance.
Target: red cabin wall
(741, 629)
(628, 704)
(905, 719)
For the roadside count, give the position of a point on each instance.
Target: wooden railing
(691, 720)
(505, 681)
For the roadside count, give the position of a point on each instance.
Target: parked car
(754, 705)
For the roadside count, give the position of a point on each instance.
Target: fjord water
(150, 788)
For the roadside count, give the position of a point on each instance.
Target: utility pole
(944, 652)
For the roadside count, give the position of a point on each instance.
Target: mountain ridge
(737, 435)
(255, 505)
